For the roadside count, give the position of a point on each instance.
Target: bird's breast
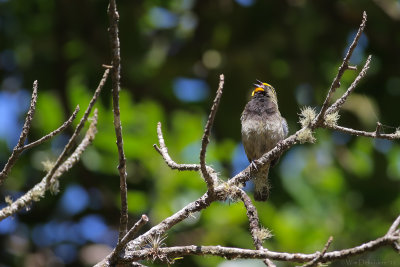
(261, 135)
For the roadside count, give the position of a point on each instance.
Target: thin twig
(252, 215)
(78, 129)
(206, 137)
(163, 150)
(25, 130)
(128, 237)
(269, 263)
(338, 104)
(55, 132)
(394, 226)
(254, 223)
(38, 191)
(115, 77)
(315, 261)
(345, 65)
(160, 229)
(373, 134)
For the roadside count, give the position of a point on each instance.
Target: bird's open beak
(258, 89)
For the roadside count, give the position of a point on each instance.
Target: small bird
(262, 128)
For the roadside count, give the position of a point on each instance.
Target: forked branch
(206, 137)
(38, 191)
(64, 162)
(345, 66)
(116, 87)
(24, 134)
(134, 251)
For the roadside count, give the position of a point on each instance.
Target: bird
(262, 128)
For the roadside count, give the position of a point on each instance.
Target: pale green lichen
(397, 134)
(8, 200)
(228, 192)
(37, 194)
(307, 115)
(306, 136)
(263, 234)
(155, 241)
(331, 119)
(54, 187)
(47, 165)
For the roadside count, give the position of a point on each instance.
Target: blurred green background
(172, 55)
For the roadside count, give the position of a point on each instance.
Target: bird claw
(253, 165)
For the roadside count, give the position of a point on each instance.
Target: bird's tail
(261, 185)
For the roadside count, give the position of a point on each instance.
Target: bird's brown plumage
(262, 128)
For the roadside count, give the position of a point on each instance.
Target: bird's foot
(253, 165)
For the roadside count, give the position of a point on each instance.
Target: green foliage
(48, 104)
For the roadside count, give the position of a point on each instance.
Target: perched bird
(262, 128)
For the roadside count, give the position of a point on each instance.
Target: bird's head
(264, 89)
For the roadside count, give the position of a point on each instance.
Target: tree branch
(128, 237)
(55, 132)
(254, 224)
(316, 260)
(235, 253)
(38, 191)
(252, 215)
(206, 137)
(115, 77)
(159, 229)
(25, 130)
(78, 129)
(345, 65)
(163, 150)
(393, 136)
(338, 104)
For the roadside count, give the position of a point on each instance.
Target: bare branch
(226, 252)
(128, 237)
(235, 253)
(338, 104)
(252, 215)
(374, 134)
(25, 130)
(38, 191)
(206, 137)
(394, 226)
(55, 132)
(245, 175)
(29, 116)
(195, 206)
(269, 263)
(115, 77)
(315, 261)
(254, 223)
(78, 129)
(345, 65)
(163, 150)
